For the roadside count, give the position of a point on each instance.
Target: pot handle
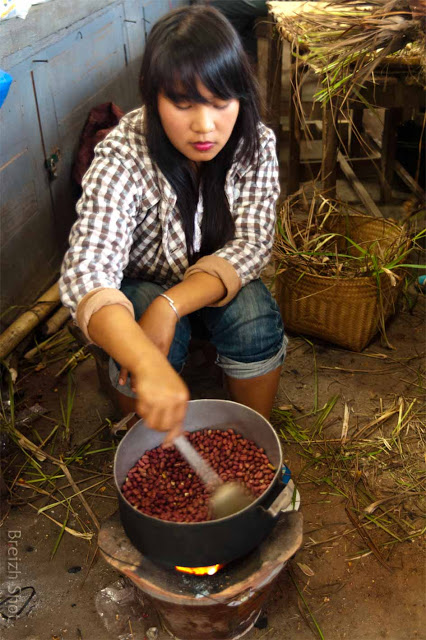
(282, 501)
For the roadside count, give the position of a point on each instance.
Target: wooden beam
(358, 187)
(329, 150)
(401, 171)
(293, 169)
(273, 81)
(409, 180)
(393, 118)
(356, 130)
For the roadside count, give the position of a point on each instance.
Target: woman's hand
(162, 397)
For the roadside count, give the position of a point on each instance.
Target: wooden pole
(17, 331)
(273, 81)
(330, 144)
(56, 321)
(403, 173)
(293, 169)
(358, 187)
(356, 130)
(393, 118)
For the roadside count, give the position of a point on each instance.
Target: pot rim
(203, 522)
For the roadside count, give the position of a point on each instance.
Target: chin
(200, 156)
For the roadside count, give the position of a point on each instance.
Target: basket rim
(358, 214)
(338, 278)
(386, 221)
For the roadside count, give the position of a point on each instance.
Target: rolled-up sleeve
(254, 211)
(101, 238)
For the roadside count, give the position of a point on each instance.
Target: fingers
(122, 379)
(173, 433)
(124, 374)
(175, 421)
(161, 419)
(162, 397)
(168, 419)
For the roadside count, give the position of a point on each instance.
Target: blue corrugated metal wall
(56, 83)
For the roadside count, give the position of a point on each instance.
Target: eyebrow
(182, 97)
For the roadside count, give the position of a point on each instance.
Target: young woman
(175, 224)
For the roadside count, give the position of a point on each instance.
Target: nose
(203, 120)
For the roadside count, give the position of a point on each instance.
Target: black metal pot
(202, 544)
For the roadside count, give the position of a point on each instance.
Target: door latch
(51, 164)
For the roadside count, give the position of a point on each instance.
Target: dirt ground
(359, 598)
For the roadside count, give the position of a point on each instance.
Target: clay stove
(224, 606)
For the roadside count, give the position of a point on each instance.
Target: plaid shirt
(128, 224)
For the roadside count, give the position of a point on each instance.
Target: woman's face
(199, 131)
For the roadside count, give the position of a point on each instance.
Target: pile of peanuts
(163, 485)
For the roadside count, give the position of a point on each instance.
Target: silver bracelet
(171, 303)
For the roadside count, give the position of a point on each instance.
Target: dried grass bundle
(348, 39)
(333, 239)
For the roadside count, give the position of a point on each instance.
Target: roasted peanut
(161, 484)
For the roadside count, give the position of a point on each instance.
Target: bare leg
(127, 405)
(257, 393)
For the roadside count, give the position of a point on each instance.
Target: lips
(203, 146)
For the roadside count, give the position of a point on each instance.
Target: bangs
(179, 80)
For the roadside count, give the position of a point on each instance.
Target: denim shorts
(248, 332)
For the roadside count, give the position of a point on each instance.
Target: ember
(201, 571)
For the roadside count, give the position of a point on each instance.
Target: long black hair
(188, 46)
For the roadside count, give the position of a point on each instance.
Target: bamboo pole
(17, 331)
(57, 339)
(56, 321)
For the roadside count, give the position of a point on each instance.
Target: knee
(251, 327)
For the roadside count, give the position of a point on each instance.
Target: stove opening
(201, 571)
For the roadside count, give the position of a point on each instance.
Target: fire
(201, 571)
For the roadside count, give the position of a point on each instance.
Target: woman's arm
(161, 393)
(92, 270)
(198, 291)
(101, 237)
(159, 320)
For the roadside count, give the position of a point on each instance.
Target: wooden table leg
(293, 169)
(393, 117)
(273, 81)
(357, 129)
(329, 149)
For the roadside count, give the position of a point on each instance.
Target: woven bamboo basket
(345, 311)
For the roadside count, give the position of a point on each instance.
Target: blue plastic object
(5, 82)
(286, 474)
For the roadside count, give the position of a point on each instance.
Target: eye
(221, 105)
(182, 106)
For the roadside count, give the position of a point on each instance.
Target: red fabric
(101, 120)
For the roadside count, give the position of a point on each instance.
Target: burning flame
(201, 571)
